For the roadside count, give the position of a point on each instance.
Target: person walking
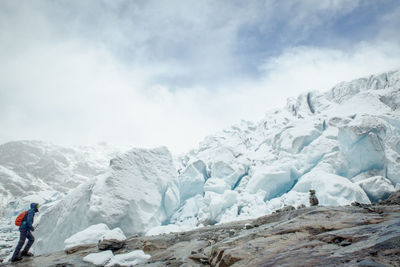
(25, 232)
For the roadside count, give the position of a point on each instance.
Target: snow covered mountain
(344, 143)
(41, 172)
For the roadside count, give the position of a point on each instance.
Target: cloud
(307, 68)
(145, 73)
(183, 43)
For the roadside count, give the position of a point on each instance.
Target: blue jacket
(27, 223)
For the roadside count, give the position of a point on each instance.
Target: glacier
(137, 192)
(343, 143)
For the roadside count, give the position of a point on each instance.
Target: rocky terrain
(353, 235)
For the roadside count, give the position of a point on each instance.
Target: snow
(377, 187)
(107, 258)
(129, 259)
(215, 204)
(100, 258)
(216, 185)
(296, 137)
(191, 181)
(114, 234)
(90, 235)
(362, 146)
(187, 214)
(230, 174)
(43, 197)
(171, 200)
(273, 180)
(331, 189)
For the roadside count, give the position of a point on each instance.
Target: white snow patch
(115, 234)
(100, 258)
(93, 234)
(90, 235)
(129, 259)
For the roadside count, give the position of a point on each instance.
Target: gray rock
(370, 263)
(110, 244)
(248, 226)
(77, 248)
(302, 206)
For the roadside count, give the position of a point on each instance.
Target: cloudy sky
(147, 73)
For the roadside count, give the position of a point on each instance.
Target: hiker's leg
(31, 239)
(22, 237)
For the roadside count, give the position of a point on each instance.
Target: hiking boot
(27, 254)
(18, 258)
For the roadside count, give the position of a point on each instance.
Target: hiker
(25, 232)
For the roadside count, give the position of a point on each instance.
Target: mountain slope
(40, 171)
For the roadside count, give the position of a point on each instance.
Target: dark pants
(24, 234)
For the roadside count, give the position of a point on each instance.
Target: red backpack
(20, 218)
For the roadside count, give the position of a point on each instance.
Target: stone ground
(357, 235)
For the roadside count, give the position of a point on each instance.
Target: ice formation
(344, 143)
(93, 234)
(138, 192)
